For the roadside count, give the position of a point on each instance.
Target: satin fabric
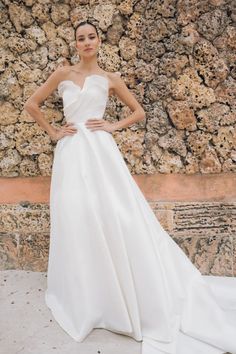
(111, 264)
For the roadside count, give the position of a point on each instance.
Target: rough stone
(28, 167)
(9, 163)
(189, 87)
(177, 58)
(41, 12)
(198, 141)
(169, 163)
(45, 164)
(20, 17)
(172, 64)
(127, 48)
(207, 62)
(126, 7)
(224, 141)
(209, 161)
(108, 55)
(103, 13)
(182, 116)
(8, 113)
(211, 118)
(60, 13)
(173, 141)
(32, 140)
(212, 24)
(116, 30)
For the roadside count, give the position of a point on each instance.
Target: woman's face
(87, 41)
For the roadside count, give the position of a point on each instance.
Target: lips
(87, 49)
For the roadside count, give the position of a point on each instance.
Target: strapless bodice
(82, 103)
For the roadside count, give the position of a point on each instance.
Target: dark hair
(86, 23)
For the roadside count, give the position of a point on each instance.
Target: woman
(111, 264)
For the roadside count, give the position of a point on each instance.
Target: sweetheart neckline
(88, 76)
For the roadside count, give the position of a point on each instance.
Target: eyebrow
(82, 35)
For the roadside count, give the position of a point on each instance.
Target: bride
(111, 264)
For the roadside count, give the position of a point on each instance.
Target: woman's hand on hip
(60, 132)
(99, 124)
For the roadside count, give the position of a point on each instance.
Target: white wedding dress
(111, 264)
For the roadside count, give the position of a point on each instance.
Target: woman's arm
(33, 102)
(123, 93)
(119, 88)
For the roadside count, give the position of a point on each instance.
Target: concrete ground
(28, 327)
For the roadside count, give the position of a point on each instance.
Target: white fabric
(111, 264)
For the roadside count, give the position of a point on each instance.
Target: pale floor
(28, 327)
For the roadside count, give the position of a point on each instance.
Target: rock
(192, 164)
(36, 34)
(198, 141)
(209, 119)
(8, 114)
(169, 163)
(172, 64)
(28, 167)
(50, 30)
(79, 14)
(227, 39)
(57, 48)
(60, 13)
(149, 51)
(45, 164)
(41, 12)
(131, 145)
(224, 141)
(109, 58)
(181, 115)
(116, 30)
(158, 122)
(5, 142)
(226, 92)
(127, 48)
(190, 11)
(155, 31)
(188, 87)
(21, 45)
(229, 166)
(24, 73)
(32, 140)
(209, 65)
(166, 8)
(212, 24)
(173, 141)
(103, 13)
(135, 27)
(20, 17)
(37, 59)
(126, 7)
(9, 163)
(209, 162)
(189, 37)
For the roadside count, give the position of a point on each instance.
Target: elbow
(142, 115)
(28, 105)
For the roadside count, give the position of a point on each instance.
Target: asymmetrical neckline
(85, 80)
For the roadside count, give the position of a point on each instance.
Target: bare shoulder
(115, 81)
(47, 88)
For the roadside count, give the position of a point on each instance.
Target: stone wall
(177, 56)
(204, 231)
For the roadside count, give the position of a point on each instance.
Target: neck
(87, 65)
